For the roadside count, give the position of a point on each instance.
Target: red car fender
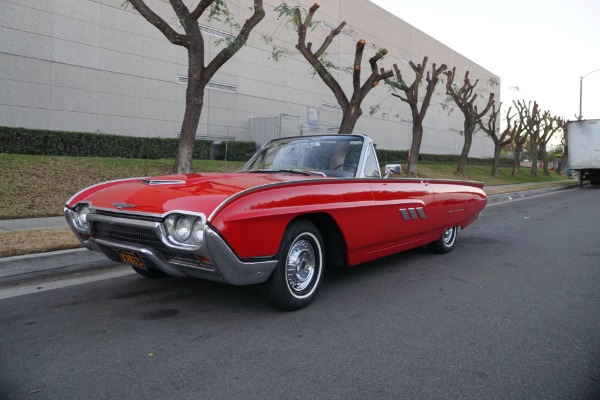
(254, 221)
(458, 208)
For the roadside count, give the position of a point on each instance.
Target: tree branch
(159, 23)
(329, 39)
(431, 84)
(199, 10)
(180, 9)
(360, 47)
(225, 54)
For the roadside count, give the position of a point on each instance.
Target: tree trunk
(517, 160)
(545, 161)
(415, 149)
(534, 157)
(496, 162)
(194, 100)
(187, 138)
(464, 155)
(348, 122)
(563, 161)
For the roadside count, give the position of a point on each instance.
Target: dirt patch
(36, 241)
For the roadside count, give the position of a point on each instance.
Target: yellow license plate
(131, 258)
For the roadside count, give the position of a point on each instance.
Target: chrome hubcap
(300, 266)
(448, 236)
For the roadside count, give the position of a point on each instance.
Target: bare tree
(564, 141)
(533, 124)
(351, 108)
(412, 98)
(465, 100)
(501, 141)
(550, 126)
(521, 134)
(199, 71)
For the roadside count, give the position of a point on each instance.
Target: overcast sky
(540, 47)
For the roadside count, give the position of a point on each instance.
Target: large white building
(95, 66)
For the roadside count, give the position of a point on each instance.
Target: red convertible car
(300, 205)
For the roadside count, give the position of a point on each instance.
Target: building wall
(94, 66)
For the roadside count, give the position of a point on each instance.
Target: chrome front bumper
(216, 261)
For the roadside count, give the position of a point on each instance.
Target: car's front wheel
(301, 260)
(446, 242)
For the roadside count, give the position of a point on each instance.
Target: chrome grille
(143, 236)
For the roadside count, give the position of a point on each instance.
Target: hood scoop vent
(153, 182)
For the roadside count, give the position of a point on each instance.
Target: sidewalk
(14, 225)
(522, 190)
(20, 268)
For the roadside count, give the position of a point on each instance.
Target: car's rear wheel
(150, 273)
(296, 280)
(446, 242)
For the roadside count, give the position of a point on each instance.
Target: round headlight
(81, 217)
(198, 231)
(183, 228)
(170, 224)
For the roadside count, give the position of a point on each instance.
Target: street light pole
(580, 117)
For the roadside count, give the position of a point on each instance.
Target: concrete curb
(21, 268)
(496, 198)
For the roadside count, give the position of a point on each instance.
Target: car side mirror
(393, 169)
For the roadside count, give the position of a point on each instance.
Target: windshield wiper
(287, 171)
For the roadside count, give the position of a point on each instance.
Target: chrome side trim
(163, 182)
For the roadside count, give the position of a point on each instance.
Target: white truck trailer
(584, 149)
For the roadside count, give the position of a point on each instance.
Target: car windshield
(326, 155)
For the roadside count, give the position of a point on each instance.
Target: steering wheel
(344, 165)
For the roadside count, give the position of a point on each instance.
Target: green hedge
(391, 156)
(83, 144)
(397, 156)
(234, 151)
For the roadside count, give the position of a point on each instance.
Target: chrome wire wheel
(296, 279)
(446, 242)
(449, 236)
(300, 265)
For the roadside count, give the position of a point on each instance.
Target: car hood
(192, 192)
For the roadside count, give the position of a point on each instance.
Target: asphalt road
(512, 313)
